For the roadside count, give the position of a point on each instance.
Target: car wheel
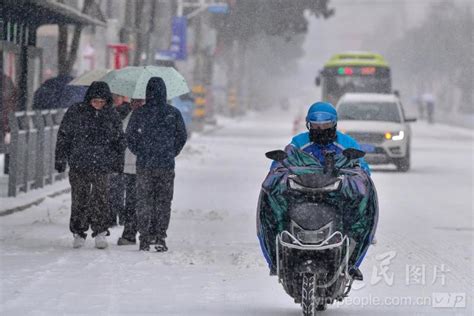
(403, 164)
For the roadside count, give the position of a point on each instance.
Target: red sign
(119, 54)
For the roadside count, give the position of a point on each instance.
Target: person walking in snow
(155, 134)
(129, 217)
(117, 180)
(429, 103)
(90, 139)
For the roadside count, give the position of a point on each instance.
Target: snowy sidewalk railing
(33, 142)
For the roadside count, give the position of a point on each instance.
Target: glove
(60, 166)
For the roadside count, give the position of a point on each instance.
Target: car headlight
(311, 236)
(395, 136)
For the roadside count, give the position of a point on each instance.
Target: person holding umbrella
(90, 139)
(117, 180)
(129, 216)
(155, 134)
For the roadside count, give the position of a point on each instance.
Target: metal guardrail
(31, 150)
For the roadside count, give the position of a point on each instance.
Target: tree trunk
(198, 52)
(62, 49)
(139, 29)
(150, 40)
(73, 50)
(67, 58)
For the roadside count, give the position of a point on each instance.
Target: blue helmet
(321, 112)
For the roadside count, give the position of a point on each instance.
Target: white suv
(378, 123)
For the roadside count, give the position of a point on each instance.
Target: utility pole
(139, 30)
(203, 64)
(179, 11)
(150, 34)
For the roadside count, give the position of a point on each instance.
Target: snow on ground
(31, 197)
(214, 266)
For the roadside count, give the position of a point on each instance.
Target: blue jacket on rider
(323, 136)
(303, 142)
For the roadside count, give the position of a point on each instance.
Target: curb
(34, 203)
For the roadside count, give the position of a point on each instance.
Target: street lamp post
(201, 73)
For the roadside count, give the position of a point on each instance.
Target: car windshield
(337, 86)
(361, 84)
(369, 111)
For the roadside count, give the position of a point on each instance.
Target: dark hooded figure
(91, 140)
(156, 134)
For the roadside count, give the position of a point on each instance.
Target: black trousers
(155, 193)
(90, 205)
(130, 212)
(116, 198)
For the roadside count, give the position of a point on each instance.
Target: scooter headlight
(312, 236)
(329, 188)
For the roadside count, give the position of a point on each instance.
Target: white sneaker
(78, 241)
(101, 241)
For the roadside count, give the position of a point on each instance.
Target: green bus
(354, 72)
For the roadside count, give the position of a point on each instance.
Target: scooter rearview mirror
(278, 155)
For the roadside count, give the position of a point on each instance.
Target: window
(369, 111)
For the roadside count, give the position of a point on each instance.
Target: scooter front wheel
(308, 294)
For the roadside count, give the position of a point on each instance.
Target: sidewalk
(9, 205)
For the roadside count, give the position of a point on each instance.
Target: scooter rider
(323, 137)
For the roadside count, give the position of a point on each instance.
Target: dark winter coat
(91, 140)
(156, 132)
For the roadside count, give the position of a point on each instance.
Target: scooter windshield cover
(356, 199)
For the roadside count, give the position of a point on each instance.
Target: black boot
(160, 245)
(122, 241)
(356, 274)
(144, 245)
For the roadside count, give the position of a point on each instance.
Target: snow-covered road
(423, 259)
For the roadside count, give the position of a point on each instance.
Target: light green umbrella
(132, 81)
(88, 77)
